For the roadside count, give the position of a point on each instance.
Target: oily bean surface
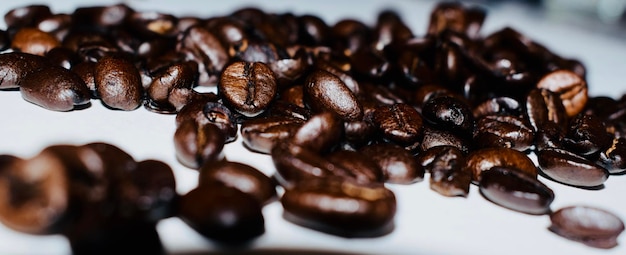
(261, 134)
(14, 66)
(484, 159)
(118, 83)
(397, 164)
(589, 225)
(571, 88)
(324, 91)
(248, 87)
(400, 123)
(569, 168)
(197, 144)
(55, 88)
(240, 176)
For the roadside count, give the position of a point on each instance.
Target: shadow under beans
(599, 187)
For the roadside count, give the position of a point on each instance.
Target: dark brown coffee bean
(118, 83)
(571, 88)
(498, 106)
(33, 41)
(57, 24)
(197, 144)
(153, 24)
(156, 186)
(358, 133)
(255, 51)
(390, 29)
(204, 47)
(288, 70)
(220, 116)
(87, 71)
(204, 209)
(341, 73)
(399, 123)
(283, 108)
(324, 91)
(102, 16)
(366, 62)
(428, 92)
(542, 106)
(63, 57)
(14, 66)
(240, 176)
(503, 131)
(194, 109)
(445, 165)
(587, 135)
(434, 137)
(456, 17)
(364, 169)
(261, 134)
(551, 135)
(319, 133)
(515, 190)
(449, 113)
(378, 95)
(343, 208)
(484, 159)
(312, 30)
(248, 87)
(397, 164)
(350, 35)
(26, 16)
(293, 95)
(588, 225)
(55, 88)
(170, 89)
(568, 168)
(614, 157)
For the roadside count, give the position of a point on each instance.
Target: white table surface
(426, 223)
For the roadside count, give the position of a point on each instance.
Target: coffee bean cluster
(343, 110)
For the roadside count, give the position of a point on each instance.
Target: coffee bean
(399, 123)
(349, 35)
(261, 134)
(515, 190)
(342, 208)
(456, 17)
(449, 113)
(364, 169)
(503, 131)
(194, 109)
(586, 135)
(614, 157)
(156, 186)
(397, 164)
(435, 137)
(588, 225)
(248, 87)
(568, 168)
(445, 165)
(497, 106)
(204, 207)
(118, 83)
(55, 88)
(542, 106)
(197, 144)
(14, 66)
(324, 91)
(33, 41)
(390, 29)
(170, 89)
(484, 159)
(571, 88)
(240, 176)
(319, 133)
(551, 135)
(220, 116)
(203, 47)
(26, 16)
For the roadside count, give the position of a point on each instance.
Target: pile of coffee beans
(344, 110)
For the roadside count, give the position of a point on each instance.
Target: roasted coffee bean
(341, 73)
(364, 169)
(350, 35)
(288, 70)
(197, 144)
(358, 133)
(293, 95)
(156, 186)
(428, 92)
(63, 57)
(170, 89)
(614, 157)
(240, 176)
(449, 113)
(456, 17)
(434, 137)
(55, 88)
(248, 87)
(87, 71)
(33, 41)
(515, 190)
(203, 47)
(399, 123)
(484, 159)
(445, 165)
(390, 29)
(102, 16)
(261, 52)
(571, 88)
(319, 133)
(324, 91)
(204, 209)
(118, 83)
(220, 116)
(368, 63)
(296, 164)
(282, 108)
(26, 16)
(498, 106)
(14, 66)
(414, 69)
(312, 30)
(503, 131)
(551, 135)
(571, 169)
(588, 225)
(194, 109)
(378, 95)
(261, 134)
(542, 106)
(343, 208)
(587, 135)
(57, 24)
(153, 24)
(397, 164)
(34, 195)
(231, 33)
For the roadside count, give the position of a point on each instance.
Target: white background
(426, 223)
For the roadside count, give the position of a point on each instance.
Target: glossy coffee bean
(435, 137)
(550, 135)
(498, 106)
(156, 186)
(397, 164)
(399, 123)
(27, 15)
(364, 169)
(170, 89)
(245, 178)
(324, 91)
(571, 169)
(343, 208)
(366, 62)
(587, 135)
(204, 207)
(456, 17)
(222, 117)
(515, 190)
(55, 88)
(204, 47)
(319, 133)
(503, 131)
(63, 57)
(449, 113)
(588, 225)
(542, 106)
(33, 41)
(358, 133)
(614, 157)
(341, 73)
(197, 144)
(484, 159)
(349, 35)
(261, 134)
(194, 109)
(118, 83)
(390, 29)
(14, 66)
(248, 87)
(445, 165)
(571, 88)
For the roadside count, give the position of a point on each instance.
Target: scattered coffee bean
(240, 176)
(571, 169)
(197, 144)
(589, 225)
(248, 87)
(55, 88)
(397, 164)
(484, 159)
(118, 83)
